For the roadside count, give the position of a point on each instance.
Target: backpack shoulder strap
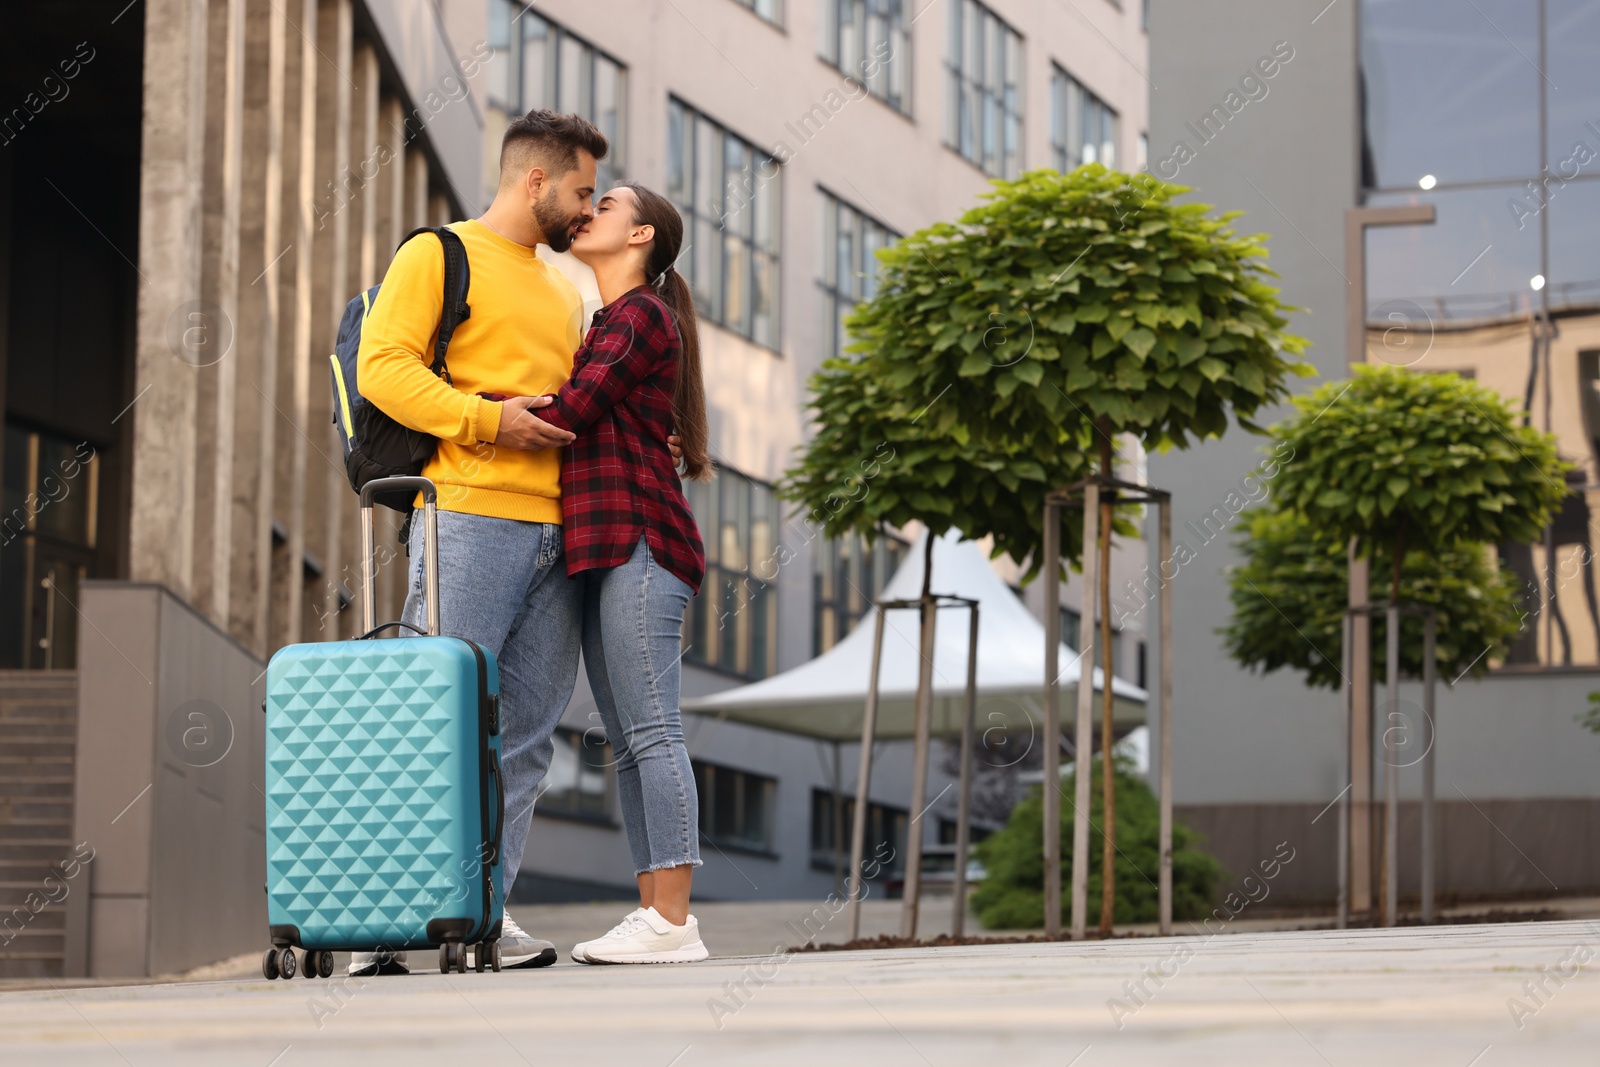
(457, 282)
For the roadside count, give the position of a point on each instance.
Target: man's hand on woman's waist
(520, 428)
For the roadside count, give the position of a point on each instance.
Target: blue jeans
(503, 583)
(632, 627)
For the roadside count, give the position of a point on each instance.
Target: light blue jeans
(632, 627)
(503, 584)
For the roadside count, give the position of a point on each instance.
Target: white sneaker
(580, 951)
(518, 949)
(646, 937)
(369, 964)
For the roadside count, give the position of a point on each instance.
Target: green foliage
(996, 345)
(1011, 896)
(1290, 593)
(1435, 457)
(1590, 720)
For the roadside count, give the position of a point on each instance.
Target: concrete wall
(1287, 162)
(168, 796)
(1487, 848)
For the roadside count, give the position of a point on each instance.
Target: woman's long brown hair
(688, 393)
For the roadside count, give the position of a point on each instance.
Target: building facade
(190, 190)
(1310, 120)
(796, 138)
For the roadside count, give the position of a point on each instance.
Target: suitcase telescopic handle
(430, 546)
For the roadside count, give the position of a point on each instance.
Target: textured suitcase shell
(377, 789)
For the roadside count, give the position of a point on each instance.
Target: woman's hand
(675, 446)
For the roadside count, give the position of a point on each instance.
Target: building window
(847, 575)
(538, 64)
(736, 807)
(576, 784)
(47, 546)
(733, 624)
(868, 40)
(728, 192)
(949, 827)
(984, 121)
(886, 834)
(1072, 633)
(1083, 128)
(849, 259)
(771, 10)
(1070, 618)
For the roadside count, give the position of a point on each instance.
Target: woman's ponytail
(688, 394)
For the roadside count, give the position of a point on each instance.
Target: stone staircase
(38, 742)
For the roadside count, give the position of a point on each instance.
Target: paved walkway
(1485, 996)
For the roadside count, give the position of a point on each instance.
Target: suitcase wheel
(494, 955)
(286, 963)
(269, 964)
(480, 958)
(316, 964)
(452, 957)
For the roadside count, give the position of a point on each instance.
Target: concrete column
(416, 202)
(262, 248)
(392, 224)
(216, 362)
(161, 518)
(325, 487)
(392, 182)
(439, 210)
(368, 153)
(299, 307)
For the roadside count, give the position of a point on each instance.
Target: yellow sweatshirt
(518, 341)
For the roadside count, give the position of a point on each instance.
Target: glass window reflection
(1471, 262)
(1450, 87)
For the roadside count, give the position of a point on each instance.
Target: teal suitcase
(383, 788)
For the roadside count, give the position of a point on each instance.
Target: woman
(631, 538)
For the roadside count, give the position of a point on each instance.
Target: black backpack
(375, 445)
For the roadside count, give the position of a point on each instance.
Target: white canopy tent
(827, 698)
(823, 698)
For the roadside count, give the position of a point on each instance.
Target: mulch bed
(1493, 915)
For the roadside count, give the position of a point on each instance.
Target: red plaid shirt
(618, 480)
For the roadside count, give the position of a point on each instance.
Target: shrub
(1011, 896)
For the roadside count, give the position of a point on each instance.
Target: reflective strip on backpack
(344, 397)
(366, 305)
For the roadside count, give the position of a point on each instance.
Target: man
(502, 577)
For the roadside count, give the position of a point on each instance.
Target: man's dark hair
(551, 140)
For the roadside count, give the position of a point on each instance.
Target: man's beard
(556, 225)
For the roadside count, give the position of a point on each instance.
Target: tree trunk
(1108, 895)
(1399, 556)
(927, 565)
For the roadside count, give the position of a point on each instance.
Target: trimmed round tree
(1006, 353)
(1416, 462)
(1290, 570)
